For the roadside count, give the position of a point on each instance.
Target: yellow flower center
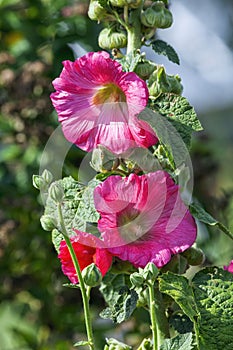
(109, 93)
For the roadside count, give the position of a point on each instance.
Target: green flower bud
(119, 3)
(136, 279)
(134, 4)
(38, 182)
(109, 40)
(96, 12)
(143, 296)
(56, 192)
(144, 69)
(157, 16)
(145, 345)
(48, 223)
(91, 275)
(47, 176)
(150, 272)
(194, 256)
(102, 160)
(160, 82)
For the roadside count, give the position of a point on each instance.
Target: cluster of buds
(152, 15)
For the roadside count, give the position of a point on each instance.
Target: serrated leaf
(82, 343)
(168, 136)
(162, 48)
(180, 342)
(199, 213)
(72, 196)
(110, 287)
(86, 209)
(123, 306)
(213, 291)
(180, 113)
(178, 288)
(130, 61)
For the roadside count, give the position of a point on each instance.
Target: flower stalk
(85, 292)
(159, 324)
(134, 32)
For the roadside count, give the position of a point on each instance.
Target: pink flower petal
(229, 267)
(97, 103)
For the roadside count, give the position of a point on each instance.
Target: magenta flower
(86, 255)
(97, 104)
(229, 267)
(143, 218)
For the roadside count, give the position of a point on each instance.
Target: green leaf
(162, 48)
(72, 196)
(86, 209)
(199, 213)
(146, 345)
(180, 342)
(130, 61)
(104, 3)
(180, 113)
(178, 288)
(122, 307)
(213, 291)
(113, 344)
(110, 287)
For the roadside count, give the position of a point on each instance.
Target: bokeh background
(36, 312)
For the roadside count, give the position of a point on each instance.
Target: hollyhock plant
(97, 104)
(86, 255)
(229, 267)
(143, 218)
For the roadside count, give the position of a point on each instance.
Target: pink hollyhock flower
(86, 255)
(143, 218)
(229, 267)
(97, 104)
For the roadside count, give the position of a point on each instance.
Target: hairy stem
(134, 31)
(84, 292)
(159, 323)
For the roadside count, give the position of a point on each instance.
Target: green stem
(159, 324)
(134, 31)
(85, 292)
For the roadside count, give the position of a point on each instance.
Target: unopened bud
(160, 82)
(56, 192)
(136, 279)
(102, 159)
(47, 176)
(96, 12)
(150, 272)
(157, 16)
(38, 182)
(194, 256)
(91, 275)
(144, 69)
(48, 223)
(108, 39)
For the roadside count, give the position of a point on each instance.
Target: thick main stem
(159, 324)
(134, 31)
(85, 293)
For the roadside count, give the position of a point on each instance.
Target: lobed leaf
(213, 291)
(180, 342)
(178, 288)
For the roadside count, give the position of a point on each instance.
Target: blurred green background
(36, 312)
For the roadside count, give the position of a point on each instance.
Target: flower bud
(136, 279)
(96, 12)
(194, 256)
(157, 16)
(56, 192)
(48, 223)
(119, 3)
(47, 176)
(109, 40)
(38, 182)
(144, 69)
(160, 82)
(150, 272)
(91, 275)
(145, 345)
